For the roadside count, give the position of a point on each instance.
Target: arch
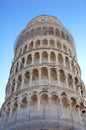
(44, 43)
(19, 81)
(73, 101)
(20, 52)
(13, 86)
(52, 43)
(35, 77)
(22, 63)
(17, 66)
(65, 101)
(52, 57)
(37, 44)
(27, 77)
(44, 57)
(70, 81)
(59, 45)
(36, 57)
(64, 48)
(15, 107)
(54, 99)
(29, 59)
(60, 59)
(57, 32)
(67, 63)
(62, 76)
(31, 45)
(25, 49)
(76, 84)
(73, 66)
(44, 31)
(24, 102)
(44, 100)
(44, 73)
(34, 102)
(51, 31)
(38, 31)
(53, 74)
(62, 35)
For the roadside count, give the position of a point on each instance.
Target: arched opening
(51, 31)
(25, 49)
(59, 45)
(44, 101)
(37, 44)
(76, 84)
(29, 59)
(44, 31)
(67, 63)
(15, 107)
(19, 82)
(60, 59)
(20, 52)
(22, 63)
(24, 103)
(35, 77)
(74, 110)
(44, 57)
(26, 78)
(62, 35)
(36, 58)
(70, 81)
(52, 43)
(13, 86)
(53, 75)
(52, 57)
(44, 43)
(54, 102)
(38, 31)
(17, 66)
(62, 76)
(65, 48)
(44, 76)
(57, 32)
(65, 107)
(31, 45)
(73, 66)
(34, 102)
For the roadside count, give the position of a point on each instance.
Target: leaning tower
(45, 90)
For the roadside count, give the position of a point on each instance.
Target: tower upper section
(45, 26)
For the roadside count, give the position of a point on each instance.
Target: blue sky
(15, 14)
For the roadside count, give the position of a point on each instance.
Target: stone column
(32, 59)
(49, 77)
(39, 76)
(60, 107)
(15, 89)
(30, 78)
(48, 57)
(38, 97)
(40, 43)
(66, 80)
(64, 61)
(58, 77)
(49, 102)
(40, 60)
(22, 84)
(25, 64)
(74, 84)
(56, 58)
